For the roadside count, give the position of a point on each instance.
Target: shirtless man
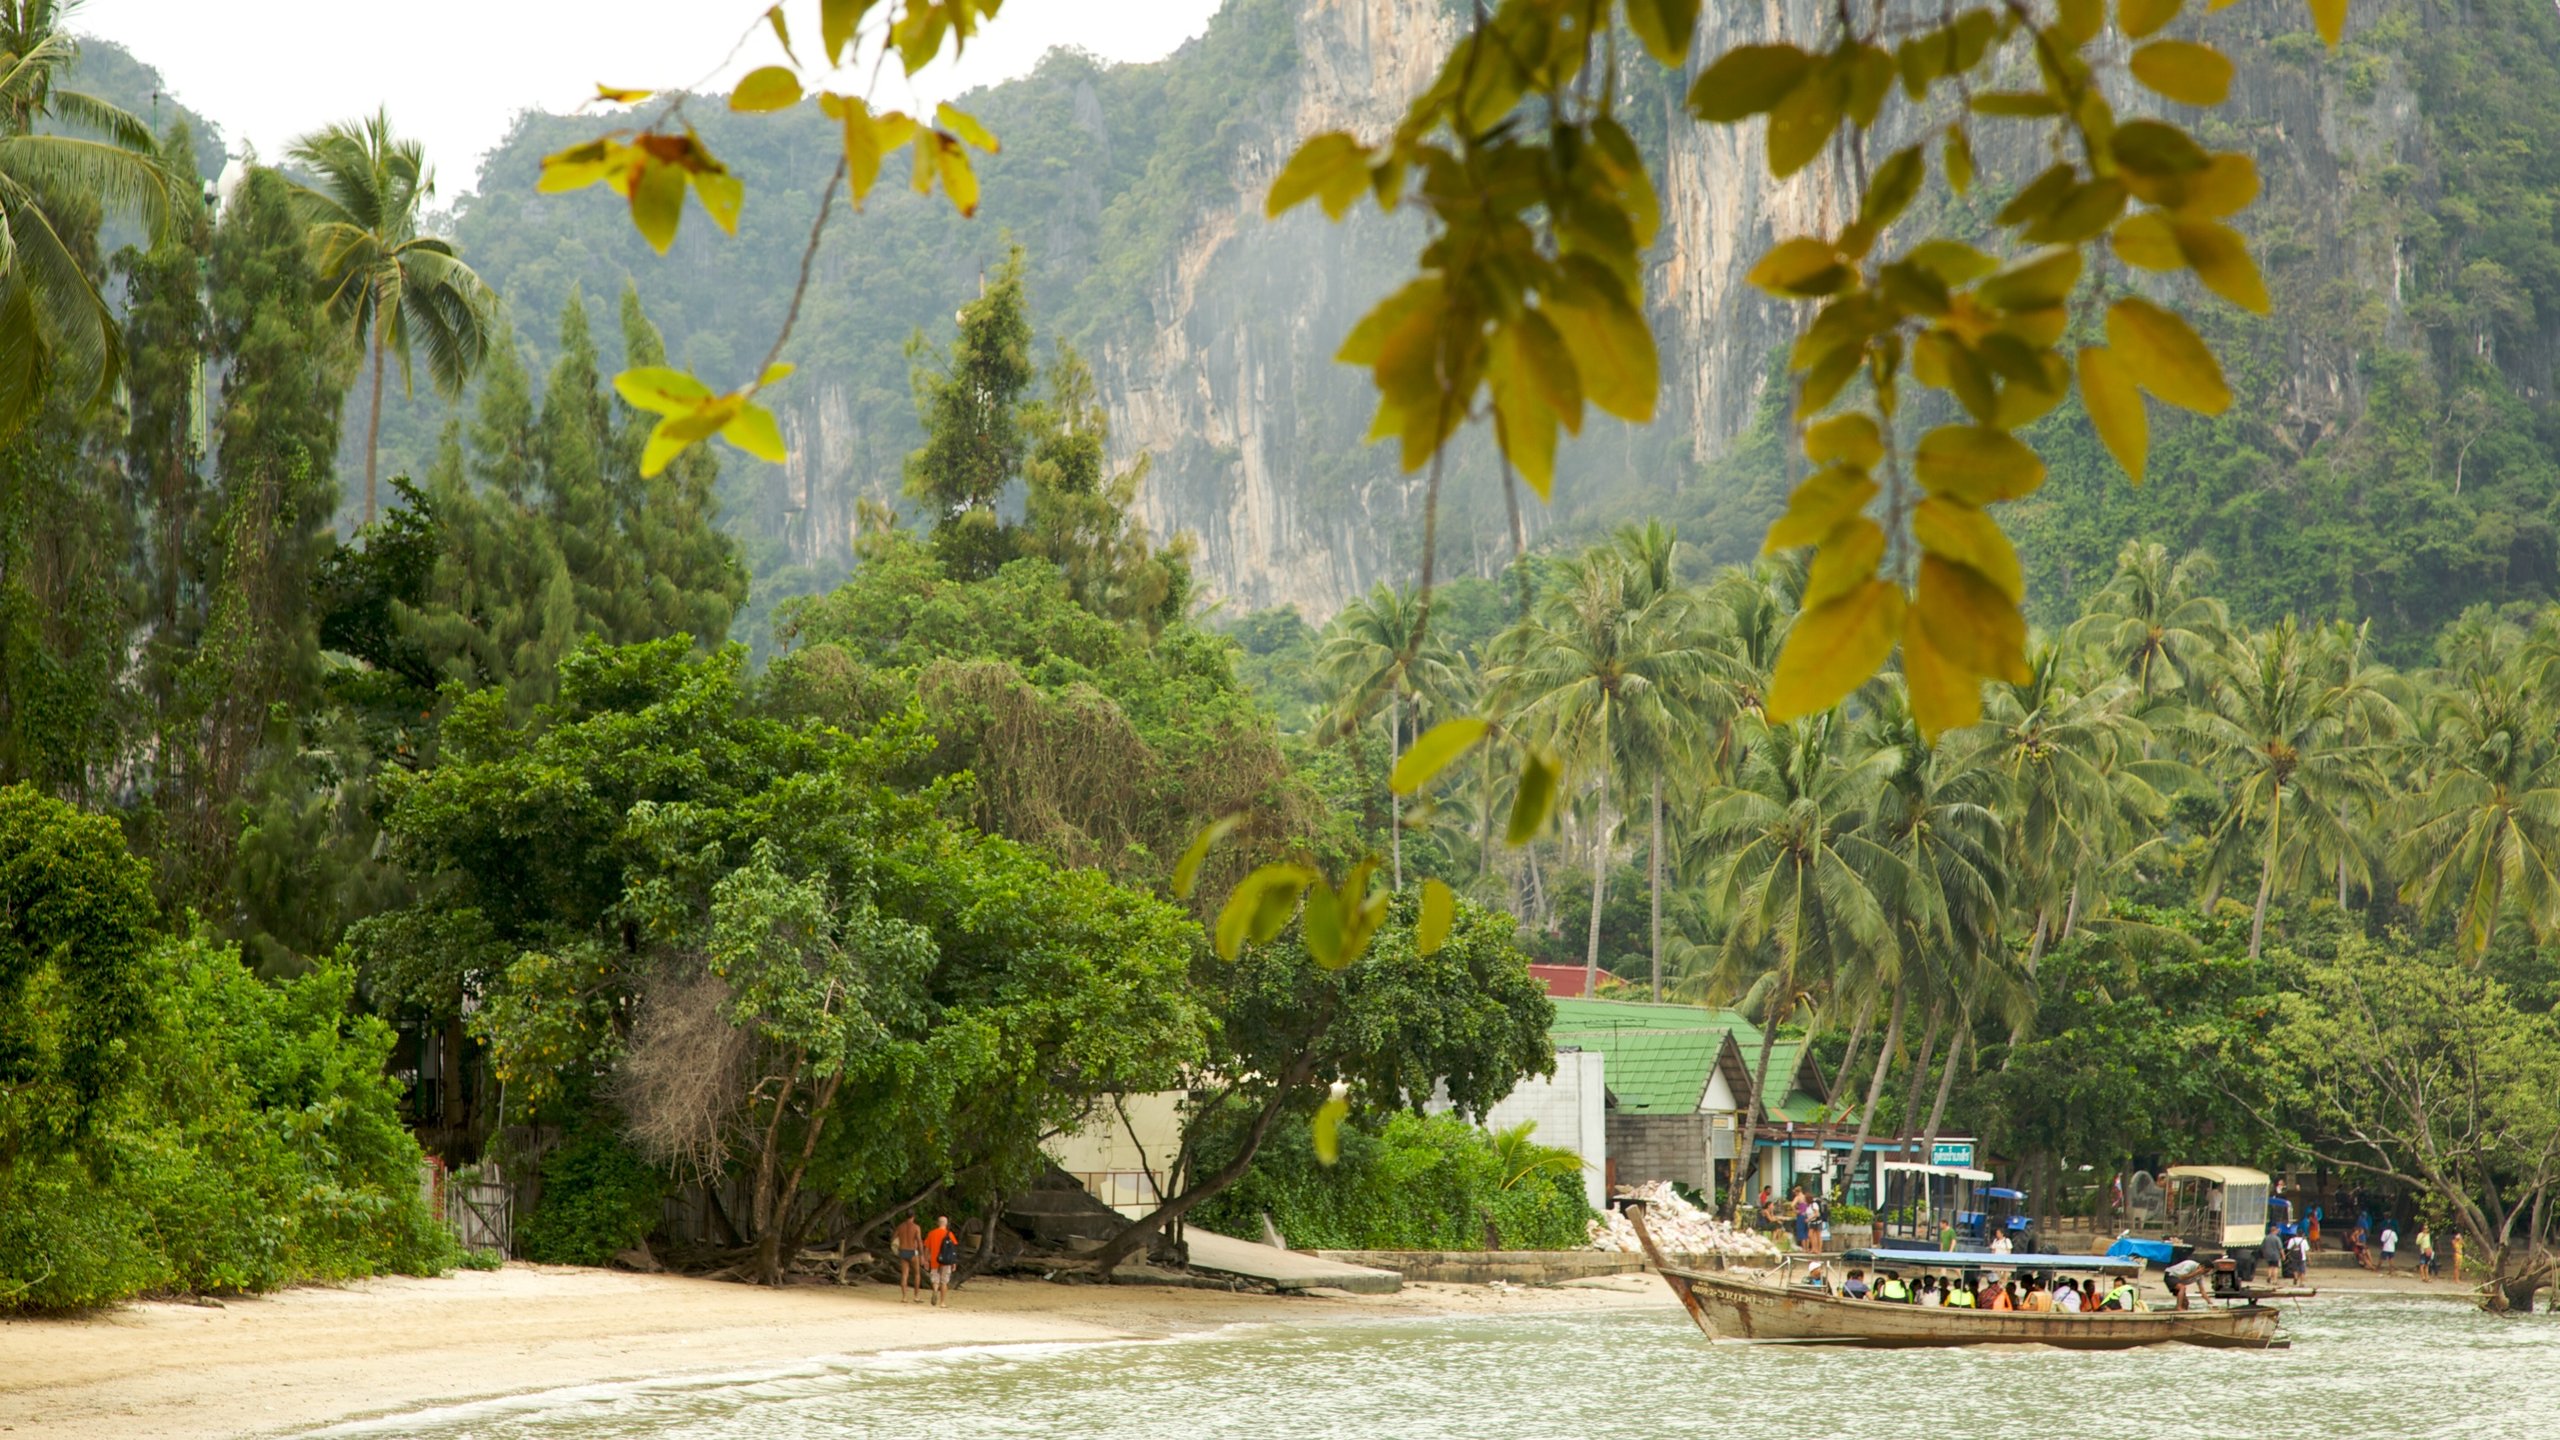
(910, 1260)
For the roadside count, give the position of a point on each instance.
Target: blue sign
(1952, 1152)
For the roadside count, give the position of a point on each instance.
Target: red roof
(1563, 981)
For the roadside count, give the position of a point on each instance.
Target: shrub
(599, 1198)
(1406, 1182)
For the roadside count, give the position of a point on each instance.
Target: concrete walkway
(1284, 1269)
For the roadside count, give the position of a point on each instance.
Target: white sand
(309, 1356)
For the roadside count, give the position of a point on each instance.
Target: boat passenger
(1999, 1297)
(2037, 1298)
(1959, 1296)
(1930, 1294)
(2066, 1297)
(2123, 1297)
(1857, 1288)
(1892, 1287)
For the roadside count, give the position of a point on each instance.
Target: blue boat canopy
(1985, 1260)
(1996, 1193)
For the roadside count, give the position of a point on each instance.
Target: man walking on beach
(941, 1257)
(910, 1245)
(2426, 1251)
(2390, 1247)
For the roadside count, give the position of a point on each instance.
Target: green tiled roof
(1658, 1057)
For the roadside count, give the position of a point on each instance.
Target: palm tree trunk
(373, 427)
(1920, 1075)
(2342, 855)
(2071, 913)
(1857, 1042)
(1657, 889)
(1946, 1085)
(2267, 875)
(1599, 884)
(1875, 1092)
(2035, 943)
(1770, 1017)
(1395, 802)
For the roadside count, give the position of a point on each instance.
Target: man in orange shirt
(941, 1257)
(910, 1259)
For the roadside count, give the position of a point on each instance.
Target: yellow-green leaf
(662, 449)
(1944, 696)
(1818, 506)
(2087, 210)
(1846, 561)
(2137, 18)
(1850, 439)
(660, 389)
(2165, 357)
(1186, 871)
(781, 31)
(1432, 751)
(1970, 622)
(779, 370)
(617, 95)
(1959, 159)
(1960, 533)
(837, 20)
(1664, 26)
(2329, 15)
(722, 195)
(2221, 260)
(1534, 796)
(2016, 104)
(1439, 910)
(964, 125)
(1976, 464)
(2114, 404)
(2079, 21)
(756, 432)
(1522, 423)
(2146, 242)
(2184, 70)
(767, 87)
(1801, 124)
(1802, 268)
(1332, 167)
(1748, 80)
(2156, 149)
(1952, 261)
(1832, 649)
(1247, 913)
(1890, 192)
(2034, 283)
(1327, 1129)
(580, 166)
(657, 203)
(1612, 349)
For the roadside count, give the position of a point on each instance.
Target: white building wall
(1570, 1110)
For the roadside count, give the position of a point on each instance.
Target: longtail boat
(1741, 1307)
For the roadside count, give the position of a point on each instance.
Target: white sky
(455, 72)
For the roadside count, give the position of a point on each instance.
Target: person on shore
(2297, 1258)
(910, 1245)
(1822, 1223)
(2315, 1224)
(941, 1257)
(1801, 1218)
(2426, 1251)
(2390, 1248)
(2000, 1243)
(1857, 1288)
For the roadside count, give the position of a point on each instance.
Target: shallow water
(2359, 1366)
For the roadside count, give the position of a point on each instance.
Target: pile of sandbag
(1679, 1227)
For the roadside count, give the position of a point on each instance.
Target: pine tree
(1080, 517)
(973, 426)
(691, 576)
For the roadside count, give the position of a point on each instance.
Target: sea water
(2358, 1367)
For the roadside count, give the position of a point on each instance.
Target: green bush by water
(257, 1144)
(1407, 1182)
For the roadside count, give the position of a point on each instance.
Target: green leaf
(776, 372)
(1801, 124)
(1832, 649)
(1803, 268)
(1432, 751)
(2155, 148)
(660, 389)
(1825, 500)
(1186, 871)
(781, 32)
(1846, 560)
(767, 87)
(1242, 917)
(2165, 356)
(1534, 796)
(1959, 159)
(2221, 260)
(1328, 1126)
(657, 204)
(1850, 439)
(1965, 536)
(1439, 910)
(756, 432)
(1976, 464)
(1970, 622)
(2034, 283)
(2137, 18)
(2114, 404)
(2183, 70)
(1332, 167)
(1747, 80)
(1891, 189)
(1664, 26)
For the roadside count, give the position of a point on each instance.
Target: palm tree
(2279, 732)
(391, 288)
(1607, 669)
(1796, 871)
(1381, 645)
(1651, 553)
(2484, 827)
(55, 329)
(2153, 620)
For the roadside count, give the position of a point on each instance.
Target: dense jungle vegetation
(482, 824)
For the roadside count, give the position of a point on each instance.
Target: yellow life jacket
(1959, 1298)
(1893, 1289)
(2122, 1298)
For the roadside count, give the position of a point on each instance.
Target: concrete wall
(1662, 1147)
(1571, 1112)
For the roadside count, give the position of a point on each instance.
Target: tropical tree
(55, 329)
(2481, 836)
(2281, 736)
(391, 288)
(2153, 619)
(1381, 646)
(1610, 670)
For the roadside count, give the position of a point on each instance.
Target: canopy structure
(2219, 1174)
(1960, 1172)
(1983, 1260)
(1997, 1193)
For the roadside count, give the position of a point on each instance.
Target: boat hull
(1731, 1308)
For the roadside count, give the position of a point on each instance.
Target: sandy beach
(284, 1363)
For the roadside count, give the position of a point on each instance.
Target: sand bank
(290, 1362)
